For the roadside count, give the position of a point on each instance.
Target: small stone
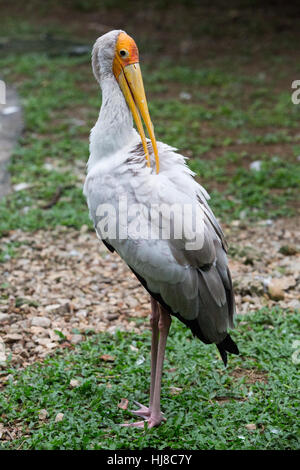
(4, 317)
(58, 309)
(294, 304)
(112, 316)
(84, 228)
(82, 313)
(46, 342)
(76, 339)
(287, 282)
(11, 338)
(39, 332)
(263, 223)
(275, 289)
(132, 302)
(59, 417)
(183, 95)
(74, 253)
(43, 322)
(235, 223)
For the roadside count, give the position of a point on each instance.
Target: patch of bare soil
(63, 284)
(251, 375)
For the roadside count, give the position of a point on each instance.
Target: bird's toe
(154, 421)
(137, 424)
(143, 411)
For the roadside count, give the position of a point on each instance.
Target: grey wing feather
(215, 299)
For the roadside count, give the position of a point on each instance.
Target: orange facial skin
(126, 53)
(126, 69)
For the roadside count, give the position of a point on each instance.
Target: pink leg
(164, 323)
(155, 416)
(154, 345)
(144, 411)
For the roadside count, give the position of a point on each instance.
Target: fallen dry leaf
(107, 358)
(250, 426)
(59, 417)
(175, 390)
(74, 383)
(43, 415)
(123, 404)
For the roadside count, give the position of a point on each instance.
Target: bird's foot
(152, 422)
(143, 411)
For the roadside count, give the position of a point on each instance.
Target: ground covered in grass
(250, 405)
(218, 81)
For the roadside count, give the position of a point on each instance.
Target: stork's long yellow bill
(128, 73)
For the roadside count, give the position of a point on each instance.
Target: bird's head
(116, 54)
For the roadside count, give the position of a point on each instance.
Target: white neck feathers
(114, 127)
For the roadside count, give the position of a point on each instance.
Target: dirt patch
(226, 399)
(252, 151)
(63, 284)
(251, 375)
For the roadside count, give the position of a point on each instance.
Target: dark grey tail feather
(227, 345)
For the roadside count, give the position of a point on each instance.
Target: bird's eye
(123, 53)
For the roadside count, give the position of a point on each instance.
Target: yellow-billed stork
(126, 170)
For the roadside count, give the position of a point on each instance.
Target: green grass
(195, 417)
(50, 95)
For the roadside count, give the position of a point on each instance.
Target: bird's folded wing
(193, 281)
